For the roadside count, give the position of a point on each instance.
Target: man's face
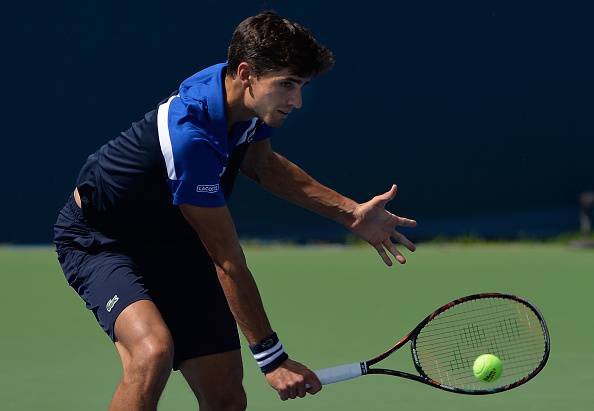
(274, 95)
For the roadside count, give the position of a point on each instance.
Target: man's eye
(286, 84)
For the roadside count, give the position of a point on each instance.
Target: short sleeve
(194, 159)
(199, 167)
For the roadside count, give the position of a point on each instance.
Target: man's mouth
(284, 113)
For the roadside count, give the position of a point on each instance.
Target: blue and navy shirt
(179, 153)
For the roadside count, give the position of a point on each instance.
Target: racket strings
(448, 345)
(480, 336)
(518, 352)
(446, 324)
(502, 322)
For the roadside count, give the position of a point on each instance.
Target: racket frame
(422, 377)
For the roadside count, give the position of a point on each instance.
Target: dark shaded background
(481, 111)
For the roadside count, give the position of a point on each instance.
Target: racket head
(446, 343)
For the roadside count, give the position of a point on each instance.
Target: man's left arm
(369, 220)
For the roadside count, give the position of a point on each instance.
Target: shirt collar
(215, 98)
(205, 90)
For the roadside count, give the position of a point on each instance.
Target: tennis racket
(445, 344)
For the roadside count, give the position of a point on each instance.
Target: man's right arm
(217, 232)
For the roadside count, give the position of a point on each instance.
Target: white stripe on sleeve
(165, 138)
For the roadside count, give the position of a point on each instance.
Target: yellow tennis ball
(487, 367)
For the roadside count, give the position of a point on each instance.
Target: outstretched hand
(376, 225)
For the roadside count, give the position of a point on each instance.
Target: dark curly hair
(269, 42)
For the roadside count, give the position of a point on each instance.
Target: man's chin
(273, 122)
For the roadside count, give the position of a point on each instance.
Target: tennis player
(147, 240)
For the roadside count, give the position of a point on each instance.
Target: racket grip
(341, 372)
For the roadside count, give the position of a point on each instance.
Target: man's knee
(150, 360)
(144, 342)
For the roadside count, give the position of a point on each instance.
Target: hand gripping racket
(445, 344)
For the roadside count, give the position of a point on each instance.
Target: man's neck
(234, 105)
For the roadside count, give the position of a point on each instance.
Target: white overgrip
(340, 373)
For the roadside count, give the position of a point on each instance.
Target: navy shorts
(180, 279)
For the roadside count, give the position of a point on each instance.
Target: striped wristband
(269, 353)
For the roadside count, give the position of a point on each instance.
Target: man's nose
(296, 100)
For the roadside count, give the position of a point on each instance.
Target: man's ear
(245, 74)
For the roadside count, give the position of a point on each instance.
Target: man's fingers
(292, 391)
(287, 393)
(404, 222)
(296, 389)
(392, 248)
(388, 195)
(300, 389)
(293, 380)
(383, 254)
(403, 240)
(312, 383)
(311, 389)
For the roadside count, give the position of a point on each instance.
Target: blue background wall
(481, 111)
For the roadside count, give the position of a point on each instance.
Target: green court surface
(330, 305)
